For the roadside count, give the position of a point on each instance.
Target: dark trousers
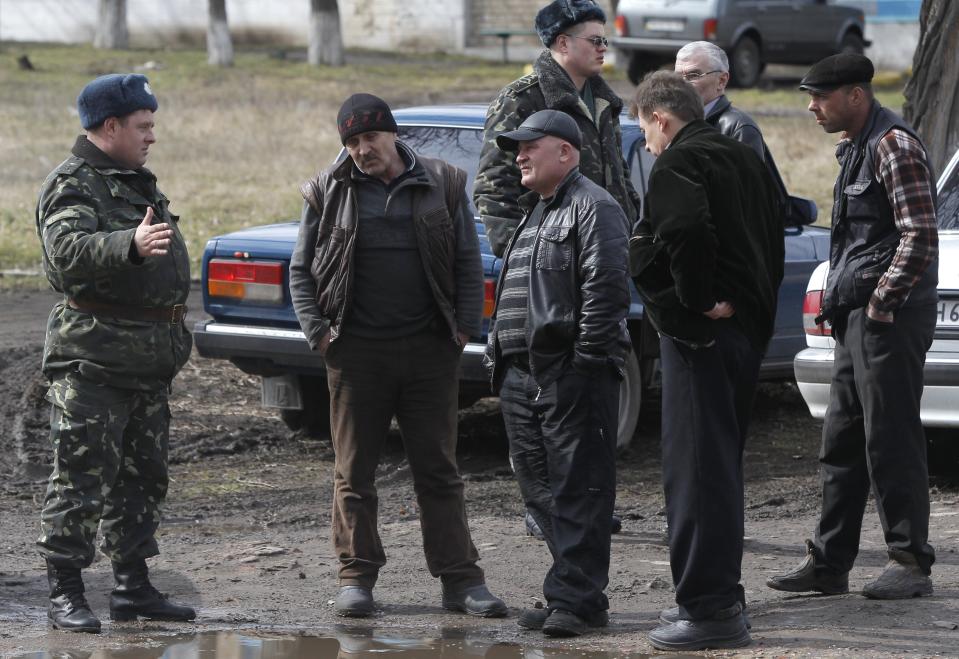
(562, 442)
(109, 471)
(873, 438)
(707, 400)
(414, 379)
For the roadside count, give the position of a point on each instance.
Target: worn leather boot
(474, 600)
(134, 595)
(535, 618)
(810, 578)
(68, 608)
(671, 615)
(354, 602)
(902, 578)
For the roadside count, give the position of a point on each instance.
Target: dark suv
(752, 32)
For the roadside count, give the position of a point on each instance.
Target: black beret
(837, 70)
(540, 124)
(558, 15)
(114, 95)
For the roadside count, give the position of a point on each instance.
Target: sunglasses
(598, 42)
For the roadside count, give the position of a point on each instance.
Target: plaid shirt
(901, 168)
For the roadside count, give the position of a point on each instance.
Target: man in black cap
(881, 299)
(707, 259)
(114, 250)
(387, 284)
(565, 77)
(556, 356)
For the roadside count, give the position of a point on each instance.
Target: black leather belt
(172, 315)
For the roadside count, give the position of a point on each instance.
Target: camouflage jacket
(88, 211)
(497, 190)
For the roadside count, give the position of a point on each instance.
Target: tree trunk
(932, 93)
(326, 43)
(219, 45)
(112, 25)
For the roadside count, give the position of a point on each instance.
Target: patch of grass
(232, 144)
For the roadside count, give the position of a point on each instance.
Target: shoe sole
(920, 592)
(739, 641)
(795, 589)
(489, 613)
(84, 630)
(562, 632)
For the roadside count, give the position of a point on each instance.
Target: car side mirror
(800, 211)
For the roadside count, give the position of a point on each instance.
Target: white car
(940, 397)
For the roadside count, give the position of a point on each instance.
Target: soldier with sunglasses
(565, 77)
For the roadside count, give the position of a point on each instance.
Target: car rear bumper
(273, 351)
(813, 369)
(663, 46)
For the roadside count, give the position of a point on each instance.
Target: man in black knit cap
(387, 283)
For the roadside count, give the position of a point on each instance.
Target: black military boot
(68, 608)
(134, 596)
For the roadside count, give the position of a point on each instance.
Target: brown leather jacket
(321, 268)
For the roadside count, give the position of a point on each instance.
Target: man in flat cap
(114, 250)
(881, 300)
(565, 77)
(556, 357)
(707, 259)
(387, 283)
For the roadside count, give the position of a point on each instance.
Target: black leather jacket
(578, 287)
(733, 122)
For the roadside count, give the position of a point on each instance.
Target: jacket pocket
(862, 200)
(554, 249)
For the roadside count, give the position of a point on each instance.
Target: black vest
(864, 232)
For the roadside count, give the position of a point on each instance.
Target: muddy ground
(246, 536)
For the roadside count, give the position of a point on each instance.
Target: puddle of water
(352, 643)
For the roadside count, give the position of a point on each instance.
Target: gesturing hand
(152, 239)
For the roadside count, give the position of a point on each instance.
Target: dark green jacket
(497, 189)
(88, 211)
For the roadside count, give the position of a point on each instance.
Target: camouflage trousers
(110, 471)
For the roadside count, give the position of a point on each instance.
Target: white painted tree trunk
(112, 25)
(219, 44)
(326, 41)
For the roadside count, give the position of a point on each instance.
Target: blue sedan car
(246, 290)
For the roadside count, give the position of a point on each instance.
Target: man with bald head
(556, 354)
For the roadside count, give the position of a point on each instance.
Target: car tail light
(811, 305)
(710, 28)
(621, 25)
(489, 297)
(249, 281)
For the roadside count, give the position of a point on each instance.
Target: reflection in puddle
(347, 643)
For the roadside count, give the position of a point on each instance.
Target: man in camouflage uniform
(112, 247)
(565, 77)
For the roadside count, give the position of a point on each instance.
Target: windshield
(947, 213)
(457, 146)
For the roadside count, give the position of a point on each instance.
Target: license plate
(948, 313)
(660, 25)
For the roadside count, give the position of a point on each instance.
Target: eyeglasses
(693, 76)
(598, 42)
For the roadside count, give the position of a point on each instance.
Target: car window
(457, 146)
(947, 213)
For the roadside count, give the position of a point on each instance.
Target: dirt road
(246, 535)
